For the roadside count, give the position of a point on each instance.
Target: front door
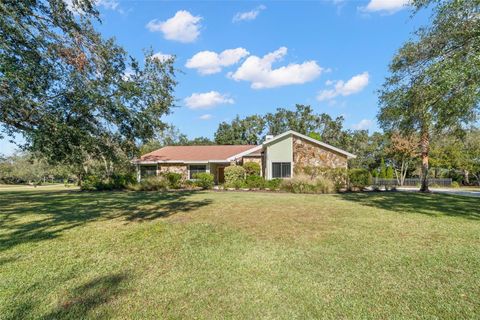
(221, 174)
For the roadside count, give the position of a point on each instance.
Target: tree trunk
(467, 179)
(425, 148)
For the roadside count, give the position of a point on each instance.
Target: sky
(247, 57)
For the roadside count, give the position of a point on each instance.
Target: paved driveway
(459, 192)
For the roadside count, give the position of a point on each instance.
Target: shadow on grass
(89, 296)
(36, 216)
(430, 204)
(80, 301)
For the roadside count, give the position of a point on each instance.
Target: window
(281, 169)
(194, 169)
(148, 171)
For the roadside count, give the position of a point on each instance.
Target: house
(277, 156)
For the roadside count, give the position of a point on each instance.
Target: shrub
(204, 180)
(255, 181)
(390, 172)
(251, 168)
(304, 184)
(189, 184)
(455, 184)
(234, 175)
(273, 184)
(336, 175)
(359, 178)
(115, 182)
(174, 179)
(121, 181)
(298, 184)
(90, 183)
(159, 183)
(325, 185)
(238, 184)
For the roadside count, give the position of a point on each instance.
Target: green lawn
(68, 254)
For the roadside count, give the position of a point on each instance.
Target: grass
(69, 254)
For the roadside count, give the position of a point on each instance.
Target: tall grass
(305, 184)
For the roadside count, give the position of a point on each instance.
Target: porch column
(139, 173)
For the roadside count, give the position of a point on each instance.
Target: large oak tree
(73, 95)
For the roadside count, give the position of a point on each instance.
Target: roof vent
(268, 137)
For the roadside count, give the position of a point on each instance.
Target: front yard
(70, 254)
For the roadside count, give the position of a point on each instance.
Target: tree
(75, 97)
(472, 153)
(458, 154)
(169, 136)
(402, 151)
(241, 131)
(200, 141)
(435, 78)
(389, 173)
(383, 170)
(251, 130)
(305, 121)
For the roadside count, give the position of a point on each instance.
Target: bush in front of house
(174, 179)
(305, 184)
(251, 168)
(359, 179)
(337, 175)
(155, 183)
(234, 176)
(325, 185)
(273, 184)
(255, 182)
(204, 180)
(115, 182)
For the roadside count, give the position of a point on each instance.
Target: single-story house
(277, 156)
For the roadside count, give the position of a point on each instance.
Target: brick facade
(308, 154)
(173, 167)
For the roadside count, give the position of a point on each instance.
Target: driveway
(458, 192)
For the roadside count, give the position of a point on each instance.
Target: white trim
(241, 154)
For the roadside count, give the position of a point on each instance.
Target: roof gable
(293, 133)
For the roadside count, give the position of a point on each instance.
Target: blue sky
(252, 57)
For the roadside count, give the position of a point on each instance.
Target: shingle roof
(195, 153)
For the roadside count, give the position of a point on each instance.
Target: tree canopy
(73, 95)
(434, 81)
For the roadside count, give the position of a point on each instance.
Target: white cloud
(387, 6)
(207, 100)
(127, 74)
(260, 73)
(363, 124)
(106, 4)
(205, 117)
(182, 27)
(209, 62)
(341, 88)
(161, 56)
(249, 15)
